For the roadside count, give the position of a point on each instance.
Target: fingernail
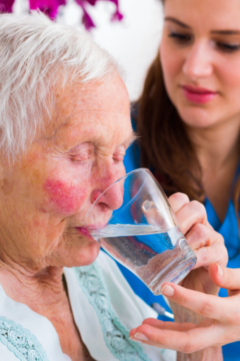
(141, 336)
(220, 271)
(167, 291)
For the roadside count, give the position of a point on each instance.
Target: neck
(216, 146)
(28, 287)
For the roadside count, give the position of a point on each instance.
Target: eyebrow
(226, 32)
(173, 20)
(185, 26)
(130, 140)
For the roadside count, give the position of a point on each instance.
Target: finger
(190, 214)
(177, 201)
(208, 246)
(233, 293)
(200, 236)
(174, 326)
(217, 253)
(162, 325)
(225, 277)
(154, 215)
(206, 305)
(189, 341)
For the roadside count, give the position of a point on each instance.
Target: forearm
(182, 315)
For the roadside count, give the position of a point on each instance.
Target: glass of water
(142, 232)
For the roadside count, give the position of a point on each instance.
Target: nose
(108, 193)
(198, 62)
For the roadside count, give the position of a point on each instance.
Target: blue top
(228, 229)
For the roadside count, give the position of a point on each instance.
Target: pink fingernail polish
(167, 291)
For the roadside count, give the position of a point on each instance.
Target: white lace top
(104, 308)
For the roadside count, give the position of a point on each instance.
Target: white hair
(35, 54)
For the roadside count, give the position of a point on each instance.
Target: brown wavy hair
(164, 144)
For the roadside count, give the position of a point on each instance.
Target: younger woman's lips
(198, 95)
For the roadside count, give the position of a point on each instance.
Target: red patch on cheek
(65, 199)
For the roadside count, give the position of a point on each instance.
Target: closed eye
(180, 37)
(81, 152)
(118, 156)
(227, 47)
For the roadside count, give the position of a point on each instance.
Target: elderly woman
(65, 126)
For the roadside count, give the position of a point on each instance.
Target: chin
(196, 117)
(82, 256)
(90, 254)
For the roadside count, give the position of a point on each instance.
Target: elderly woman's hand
(209, 248)
(222, 325)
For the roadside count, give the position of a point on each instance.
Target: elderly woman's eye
(81, 153)
(79, 157)
(119, 154)
(118, 157)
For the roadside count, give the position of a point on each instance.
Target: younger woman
(188, 118)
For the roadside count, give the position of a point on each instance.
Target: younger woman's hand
(183, 335)
(221, 323)
(207, 244)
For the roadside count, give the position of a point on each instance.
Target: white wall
(133, 42)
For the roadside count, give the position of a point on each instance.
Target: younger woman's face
(200, 56)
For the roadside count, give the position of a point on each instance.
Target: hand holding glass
(134, 223)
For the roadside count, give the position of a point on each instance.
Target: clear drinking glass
(133, 221)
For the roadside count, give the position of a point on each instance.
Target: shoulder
(25, 335)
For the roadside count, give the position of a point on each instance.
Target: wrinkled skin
(46, 194)
(44, 197)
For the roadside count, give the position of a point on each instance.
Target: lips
(87, 230)
(197, 94)
(84, 231)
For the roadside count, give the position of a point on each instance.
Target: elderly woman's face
(45, 197)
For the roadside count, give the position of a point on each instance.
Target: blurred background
(133, 42)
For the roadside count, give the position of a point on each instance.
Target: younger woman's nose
(198, 62)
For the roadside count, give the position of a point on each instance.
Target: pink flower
(117, 15)
(87, 20)
(48, 7)
(6, 6)
(91, 2)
